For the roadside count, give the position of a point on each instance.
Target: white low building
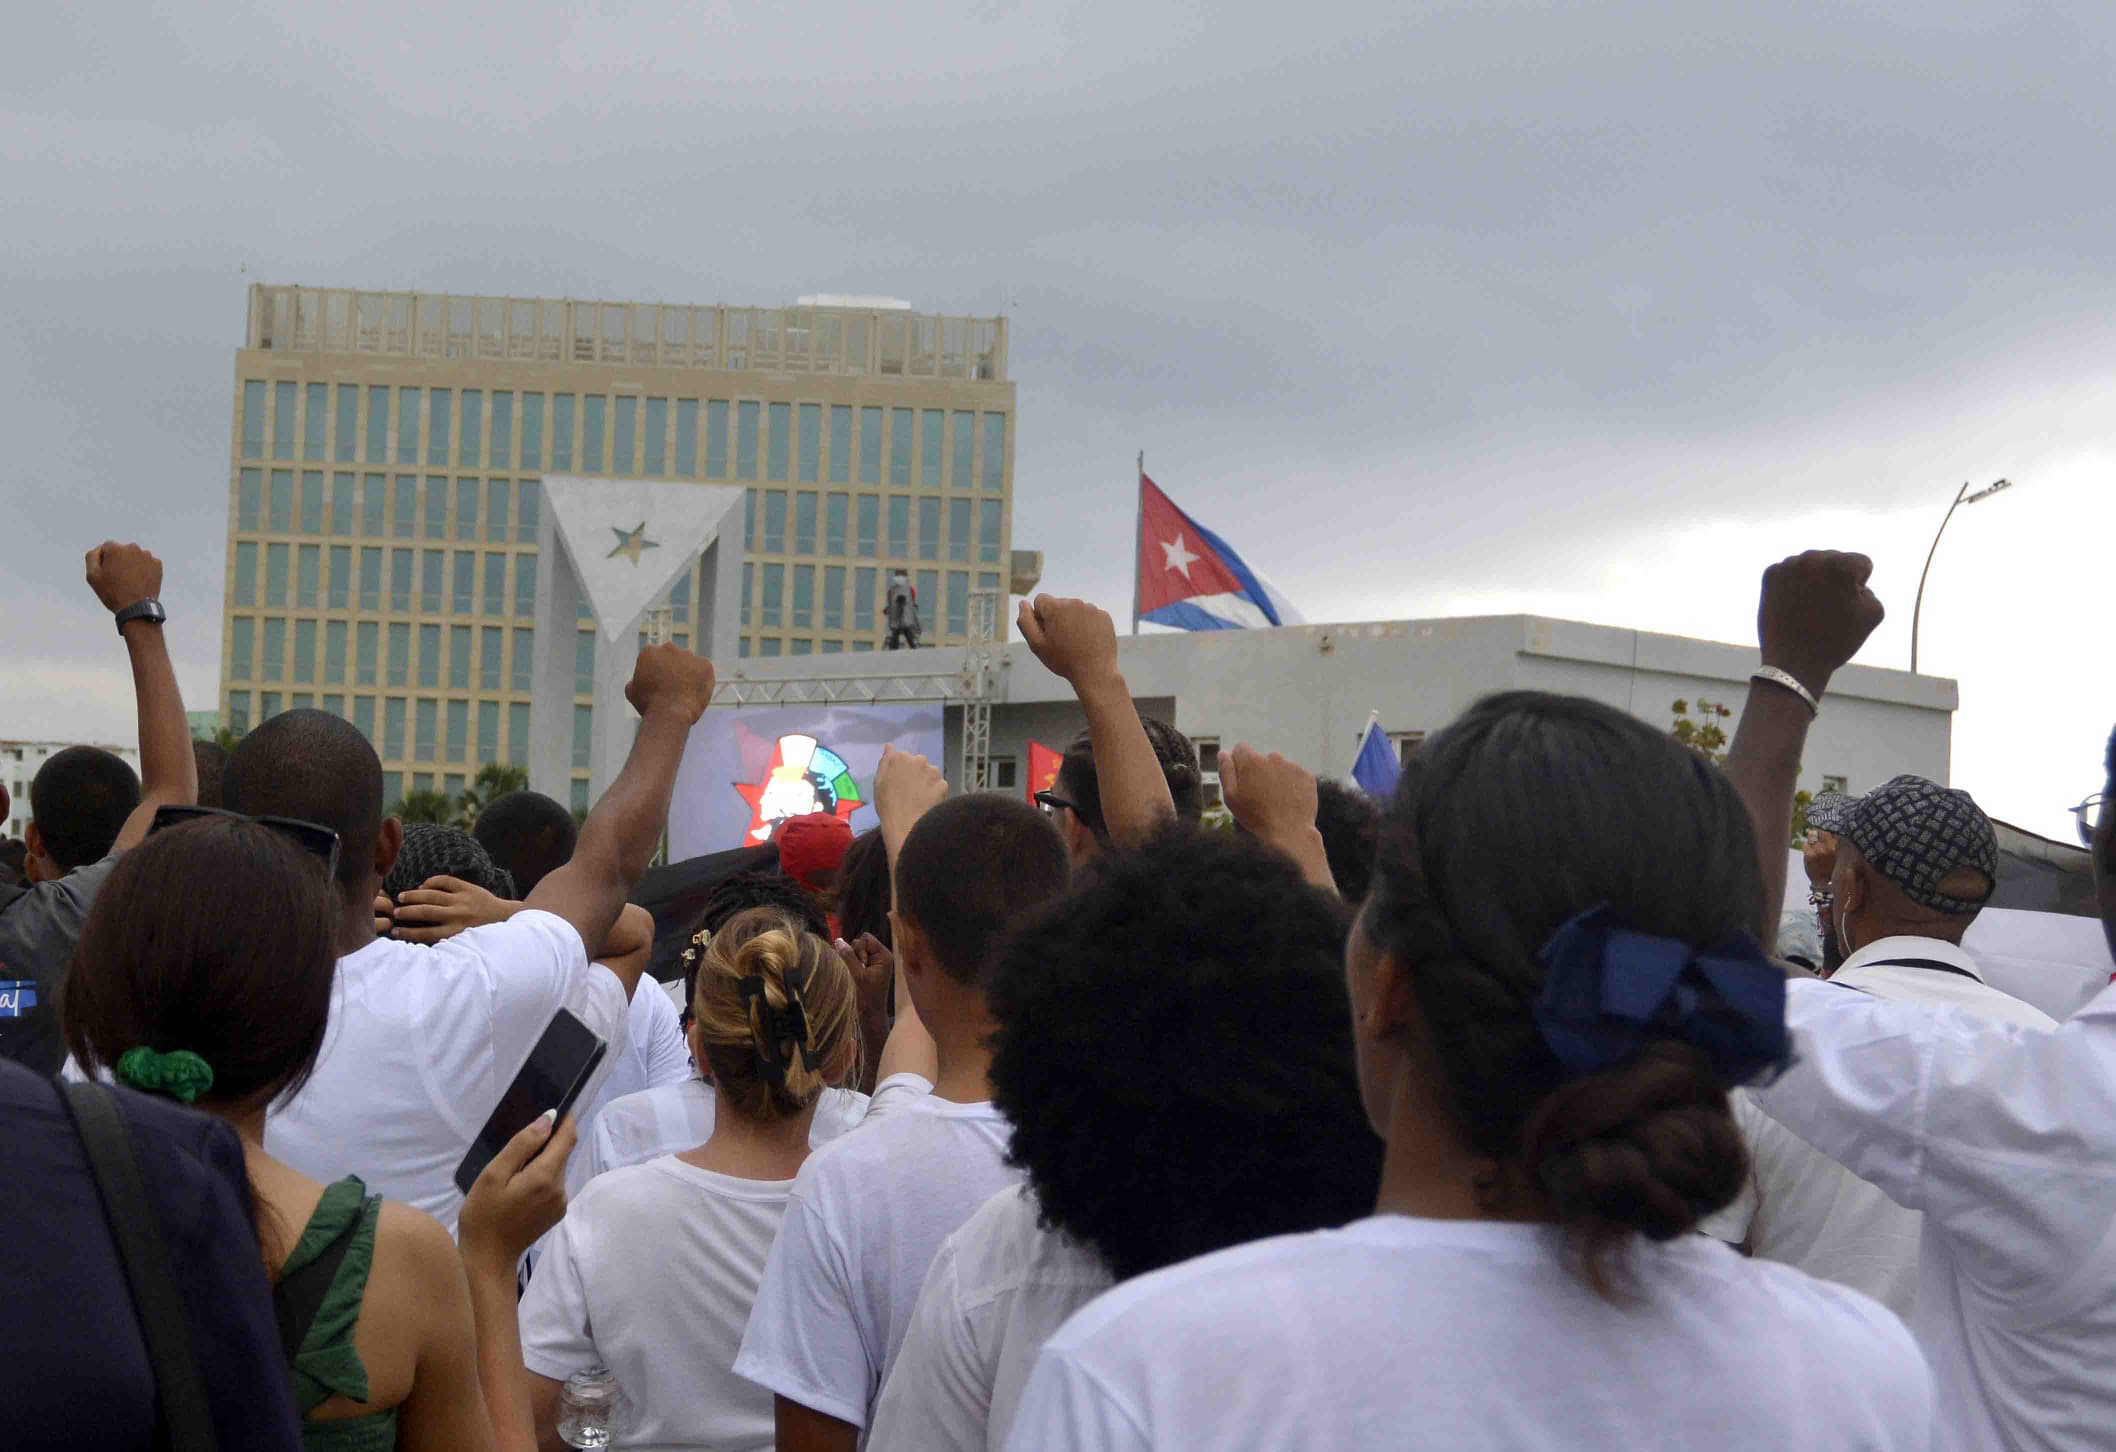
(1307, 691)
(20, 761)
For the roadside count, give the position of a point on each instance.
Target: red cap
(811, 847)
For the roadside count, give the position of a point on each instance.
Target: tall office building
(385, 459)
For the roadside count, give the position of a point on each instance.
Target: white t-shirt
(654, 1054)
(998, 1289)
(869, 1213)
(1469, 1335)
(651, 1274)
(2005, 1137)
(1802, 1207)
(673, 1117)
(422, 1042)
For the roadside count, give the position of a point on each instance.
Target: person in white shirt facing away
(1908, 866)
(653, 1270)
(2002, 1136)
(1175, 1056)
(870, 1210)
(424, 1040)
(1553, 986)
(668, 1117)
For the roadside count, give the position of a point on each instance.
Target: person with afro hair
(1174, 1052)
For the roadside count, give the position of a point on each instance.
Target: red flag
(1043, 768)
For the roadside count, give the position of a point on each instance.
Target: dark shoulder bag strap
(166, 1327)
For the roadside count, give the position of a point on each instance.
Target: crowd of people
(1484, 1116)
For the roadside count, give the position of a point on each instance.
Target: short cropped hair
(314, 767)
(79, 800)
(971, 868)
(211, 759)
(1350, 823)
(529, 834)
(1078, 784)
(1174, 1052)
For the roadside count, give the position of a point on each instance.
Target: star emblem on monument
(631, 543)
(1178, 558)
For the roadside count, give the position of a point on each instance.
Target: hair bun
(1646, 1146)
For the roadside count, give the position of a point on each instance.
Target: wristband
(1786, 679)
(149, 610)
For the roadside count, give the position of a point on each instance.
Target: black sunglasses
(1051, 802)
(318, 841)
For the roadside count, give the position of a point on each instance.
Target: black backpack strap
(187, 1418)
(299, 1296)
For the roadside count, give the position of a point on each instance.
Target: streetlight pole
(1962, 496)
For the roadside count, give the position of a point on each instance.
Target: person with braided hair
(773, 1022)
(1553, 986)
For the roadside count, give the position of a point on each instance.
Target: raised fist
(1075, 640)
(123, 574)
(1815, 614)
(669, 678)
(906, 787)
(1271, 796)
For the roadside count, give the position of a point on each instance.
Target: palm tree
(427, 806)
(494, 780)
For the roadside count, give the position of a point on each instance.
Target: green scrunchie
(182, 1075)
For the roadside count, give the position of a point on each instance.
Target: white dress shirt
(1802, 1207)
(2005, 1138)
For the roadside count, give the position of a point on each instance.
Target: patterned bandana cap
(1826, 813)
(436, 851)
(1916, 833)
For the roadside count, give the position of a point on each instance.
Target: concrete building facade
(1307, 691)
(385, 453)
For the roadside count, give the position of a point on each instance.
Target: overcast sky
(1450, 308)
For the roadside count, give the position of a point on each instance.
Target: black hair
(863, 888)
(738, 894)
(211, 759)
(431, 850)
(79, 800)
(1174, 1053)
(529, 834)
(1078, 784)
(176, 955)
(1350, 823)
(314, 767)
(969, 868)
(1527, 811)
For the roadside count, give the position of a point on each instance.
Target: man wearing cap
(1914, 862)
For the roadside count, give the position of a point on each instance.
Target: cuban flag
(1192, 579)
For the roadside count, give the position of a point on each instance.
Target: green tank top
(327, 1363)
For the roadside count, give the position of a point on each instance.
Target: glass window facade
(899, 527)
(253, 419)
(346, 440)
(343, 487)
(804, 597)
(430, 655)
(525, 584)
(249, 498)
(242, 639)
(275, 649)
(312, 502)
(594, 409)
(398, 667)
(526, 511)
(275, 574)
(502, 450)
(459, 657)
(315, 419)
(338, 593)
(365, 649)
(377, 424)
(747, 416)
(491, 642)
(465, 570)
(835, 510)
(840, 443)
(805, 522)
(495, 584)
(334, 633)
(440, 411)
(466, 509)
(427, 714)
(900, 439)
(470, 447)
(305, 652)
(686, 438)
(459, 730)
(995, 445)
(408, 403)
(370, 579)
(532, 431)
(716, 438)
(307, 575)
(870, 446)
(283, 401)
(498, 495)
(929, 430)
(810, 442)
(279, 517)
(624, 434)
(962, 459)
(246, 573)
(561, 432)
(654, 449)
(523, 664)
(929, 529)
(959, 530)
(779, 442)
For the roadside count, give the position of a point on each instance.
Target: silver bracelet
(1786, 679)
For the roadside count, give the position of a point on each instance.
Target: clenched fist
(669, 678)
(123, 574)
(1074, 639)
(1815, 614)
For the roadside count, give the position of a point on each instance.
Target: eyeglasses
(316, 840)
(1051, 802)
(2086, 814)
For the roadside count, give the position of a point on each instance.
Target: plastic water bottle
(591, 1409)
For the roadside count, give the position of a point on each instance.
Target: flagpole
(1138, 523)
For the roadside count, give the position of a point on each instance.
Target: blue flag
(1376, 768)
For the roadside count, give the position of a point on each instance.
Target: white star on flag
(1178, 558)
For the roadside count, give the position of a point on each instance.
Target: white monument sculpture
(619, 545)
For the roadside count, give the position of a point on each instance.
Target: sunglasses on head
(1051, 802)
(318, 841)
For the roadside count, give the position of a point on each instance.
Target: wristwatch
(149, 609)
